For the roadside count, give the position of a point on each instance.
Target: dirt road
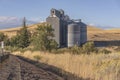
(17, 69)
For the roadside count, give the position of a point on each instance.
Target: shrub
(76, 50)
(105, 51)
(11, 49)
(4, 38)
(37, 57)
(14, 41)
(118, 48)
(89, 47)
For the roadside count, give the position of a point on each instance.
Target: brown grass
(93, 66)
(13, 31)
(93, 33)
(96, 34)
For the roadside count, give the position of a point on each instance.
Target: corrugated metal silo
(73, 35)
(83, 31)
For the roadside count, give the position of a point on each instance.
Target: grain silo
(68, 32)
(83, 34)
(73, 35)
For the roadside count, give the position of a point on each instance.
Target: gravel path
(17, 69)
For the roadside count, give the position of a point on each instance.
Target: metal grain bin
(73, 35)
(83, 30)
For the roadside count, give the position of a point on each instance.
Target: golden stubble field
(96, 34)
(92, 67)
(93, 33)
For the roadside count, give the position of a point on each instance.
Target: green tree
(24, 36)
(14, 41)
(43, 38)
(4, 38)
(22, 39)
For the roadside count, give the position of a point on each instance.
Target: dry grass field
(96, 34)
(13, 31)
(89, 67)
(93, 33)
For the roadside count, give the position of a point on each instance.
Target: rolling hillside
(13, 31)
(96, 34)
(93, 33)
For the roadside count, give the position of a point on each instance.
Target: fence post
(2, 46)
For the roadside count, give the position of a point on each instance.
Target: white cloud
(35, 19)
(91, 24)
(9, 21)
(6, 19)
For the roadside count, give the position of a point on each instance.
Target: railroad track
(17, 69)
(3, 56)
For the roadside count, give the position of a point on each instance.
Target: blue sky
(94, 12)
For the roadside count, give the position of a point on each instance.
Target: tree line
(41, 39)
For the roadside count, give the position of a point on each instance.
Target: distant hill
(12, 22)
(93, 33)
(116, 30)
(12, 31)
(97, 34)
(93, 28)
